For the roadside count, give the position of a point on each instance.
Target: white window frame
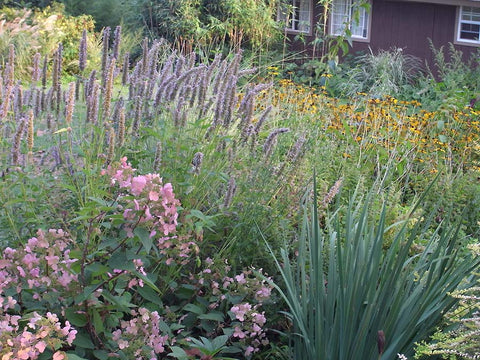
(297, 16)
(472, 11)
(341, 16)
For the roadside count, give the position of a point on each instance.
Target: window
(348, 14)
(297, 15)
(469, 25)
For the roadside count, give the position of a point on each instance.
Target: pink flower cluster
(148, 203)
(245, 283)
(250, 327)
(153, 204)
(140, 337)
(43, 265)
(40, 333)
(248, 322)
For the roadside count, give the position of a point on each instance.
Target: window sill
(362, 40)
(467, 43)
(354, 39)
(297, 32)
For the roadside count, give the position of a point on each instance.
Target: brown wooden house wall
(409, 25)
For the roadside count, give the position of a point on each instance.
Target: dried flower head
(380, 341)
(125, 67)
(197, 162)
(231, 189)
(44, 72)
(111, 145)
(108, 89)
(36, 68)
(272, 139)
(70, 103)
(30, 131)
(121, 127)
(158, 156)
(330, 195)
(16, 141)
(10, 71)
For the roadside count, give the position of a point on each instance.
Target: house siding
(410, 25)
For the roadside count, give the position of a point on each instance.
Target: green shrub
(460, 338)
(378, 75)
(451, 82)
(343, 290)
(40, 31)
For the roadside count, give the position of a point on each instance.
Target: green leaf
(122, 301)
(101, 354)
(151, 295)
(119, 260)
(440, 125)
(83, 340)
(215, 316)
(194, 309)
(96, 269)
(71, 356)
(220, 341)
(147, 281)
(98, 322)
(85, 294)
(101, 202)
(108, 242)
(442, 138)
(178, 353)
(144, 236)
(77, 319)
(60, 131)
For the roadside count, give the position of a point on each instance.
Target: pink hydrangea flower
(138, 183)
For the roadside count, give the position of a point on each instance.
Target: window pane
(470, 13)
(469, 27)
(360, 28)
(348, 13)
(466, 13)
(304, 15)
(296, 14)
(340, 16)
(470, 31)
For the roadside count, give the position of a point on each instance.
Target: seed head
(380, 341)
(158, 157)
(30, 131)
(331, 194)
(121, 127)
(16, 141)
(70, 103)
(126, 64)
(36, 68)
(82, 52)
(108, 89)
(105, 41)
(117, 36)
(231, 189)
(111, 145)
(272, 139)
(197, 162)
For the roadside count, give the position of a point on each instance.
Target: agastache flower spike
(82, 52)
